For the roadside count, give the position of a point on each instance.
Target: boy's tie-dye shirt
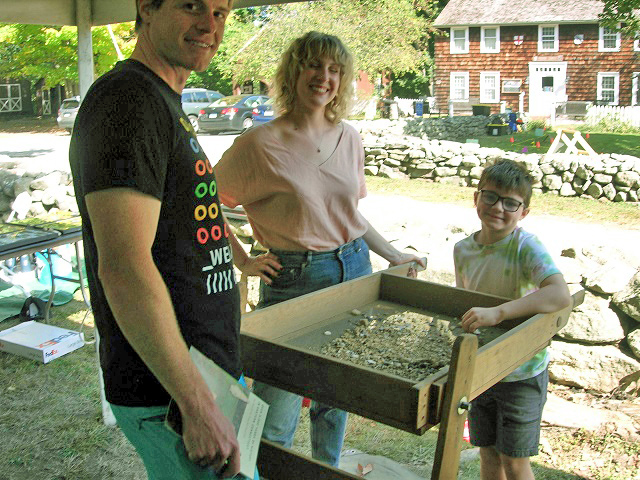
(512, 267)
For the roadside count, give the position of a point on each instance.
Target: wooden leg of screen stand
(454, 409)
(278, 463)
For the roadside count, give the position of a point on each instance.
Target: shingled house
(532, 55)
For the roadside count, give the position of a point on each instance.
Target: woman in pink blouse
(299, 178)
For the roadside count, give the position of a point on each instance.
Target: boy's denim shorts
(508, 416)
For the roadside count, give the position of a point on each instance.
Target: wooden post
(454, 412)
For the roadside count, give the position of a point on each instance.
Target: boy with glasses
(503, 259)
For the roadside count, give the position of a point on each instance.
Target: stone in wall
(371, 170)
(595, 190)
(628, 299)
(611, 277)
(593, 323)
(609, 191)
(21, 185)
(566, 190)
(627, 178)
(590, 367)
(552, 182)
(633, 340)
(584, 173)
(53, 179)
(620, 197)
(5, 202)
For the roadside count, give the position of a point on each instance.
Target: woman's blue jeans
(305, 272)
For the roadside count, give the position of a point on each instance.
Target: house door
(547, 86)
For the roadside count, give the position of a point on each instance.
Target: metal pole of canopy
(85, 47)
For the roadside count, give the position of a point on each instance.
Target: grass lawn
(626, 144)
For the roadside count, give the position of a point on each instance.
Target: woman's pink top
(292, 203)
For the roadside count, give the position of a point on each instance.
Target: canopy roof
(63, 12)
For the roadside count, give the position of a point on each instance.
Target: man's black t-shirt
(131, 132)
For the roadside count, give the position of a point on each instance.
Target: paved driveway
(46, 152)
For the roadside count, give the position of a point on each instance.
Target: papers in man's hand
(245, 410)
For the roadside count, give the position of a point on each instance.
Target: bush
(613, 124)
(533, 124)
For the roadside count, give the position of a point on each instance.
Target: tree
(626, 12)
(239, 28)
(51, 52)
(384, 35)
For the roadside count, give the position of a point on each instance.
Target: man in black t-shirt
(158, 259)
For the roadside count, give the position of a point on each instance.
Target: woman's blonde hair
(302, 51)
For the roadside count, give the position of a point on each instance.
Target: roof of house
(518, 12)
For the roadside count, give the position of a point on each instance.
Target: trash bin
(418, 108)
(484, 110)
(496, 129)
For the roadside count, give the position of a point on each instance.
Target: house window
(609, 40)
(548, 38)
(489, 39)
(608, 86)
(635, 89)
(10, 97)
(459, 40)
(489, 87)
(459, 91)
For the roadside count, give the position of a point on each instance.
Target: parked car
(233, 113)
(263, 113)
(195, 99)
(67, 113)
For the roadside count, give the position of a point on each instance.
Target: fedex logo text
(56, 340)
(51, 353)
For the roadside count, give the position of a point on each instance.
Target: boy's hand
(477, 317)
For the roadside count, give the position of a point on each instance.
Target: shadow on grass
(50, 415)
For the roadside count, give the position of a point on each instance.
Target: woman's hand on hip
(265, 266)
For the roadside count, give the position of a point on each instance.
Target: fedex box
(40, 341)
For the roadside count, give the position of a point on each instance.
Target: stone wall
(448, 127)
(390, 152)
(600, 345)
(31, 193)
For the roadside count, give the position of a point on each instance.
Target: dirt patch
(610, 451)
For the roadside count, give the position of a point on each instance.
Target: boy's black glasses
(491, 198)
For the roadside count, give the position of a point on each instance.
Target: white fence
(629, 115)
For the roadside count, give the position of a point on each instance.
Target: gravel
(410, 344)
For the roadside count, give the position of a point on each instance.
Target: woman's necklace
(318, 146)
